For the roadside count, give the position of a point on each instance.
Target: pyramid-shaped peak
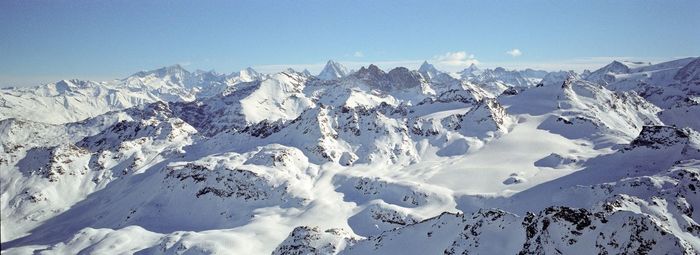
(472, 68)
(306, 72)
(427, 67)
(606, 75)
(616, 67)
(470, 71)
(428, 70)
(333, 70)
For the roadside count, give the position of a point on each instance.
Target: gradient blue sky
(42, 41)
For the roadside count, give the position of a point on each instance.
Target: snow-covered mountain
(75, 100)
(401, 161)
(674, 86)
(499, 80)
(333, 70)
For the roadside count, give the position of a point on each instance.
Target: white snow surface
(420, 161)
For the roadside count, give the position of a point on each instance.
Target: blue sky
(43, 41)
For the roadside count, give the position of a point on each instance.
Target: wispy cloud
(514, 52)
(358, 54)
(455, 59)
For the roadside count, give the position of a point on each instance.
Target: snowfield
(420, 161)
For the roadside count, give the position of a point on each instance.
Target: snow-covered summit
(333, 70)
(428, 70)
(605, 75)
(470, 71)
(246, 75)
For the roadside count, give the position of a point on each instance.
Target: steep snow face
(372, 163)
(333, 70)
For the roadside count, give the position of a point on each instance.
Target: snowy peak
(173, 77)
(64, 86)
(426, 67)
(617, 67)
(249, 74)
(308, 240)
(472, 69)
(606, 74)
(306, 73)
(333, 70)
(428, 70)
(175, 72)
(501, 75)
